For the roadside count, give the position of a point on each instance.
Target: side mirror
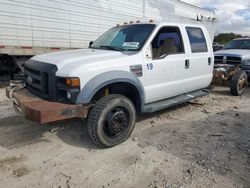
(90, 43)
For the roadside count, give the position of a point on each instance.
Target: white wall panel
(73, 23)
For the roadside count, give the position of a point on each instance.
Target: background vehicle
(34, 27)
(217, 46)
(232, 65)
(130, 69)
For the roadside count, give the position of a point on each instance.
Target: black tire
(111, 121)
(239, 83)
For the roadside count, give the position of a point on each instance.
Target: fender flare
(104, 79)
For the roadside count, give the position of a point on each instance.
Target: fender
(100, 81)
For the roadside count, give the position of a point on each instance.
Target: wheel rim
(242, 83)
(116, 122)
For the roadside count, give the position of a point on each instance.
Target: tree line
(224, 38)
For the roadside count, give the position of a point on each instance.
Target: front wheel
(239, 83)
(111, 120)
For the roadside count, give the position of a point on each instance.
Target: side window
(197, 40)
(167, 41)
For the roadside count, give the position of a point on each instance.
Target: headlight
(246, 61)
(222, 69)
(69, 96)
(68, 89)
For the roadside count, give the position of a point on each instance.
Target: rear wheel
(111, 120)
(239, 83)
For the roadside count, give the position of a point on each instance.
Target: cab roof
(161, 24)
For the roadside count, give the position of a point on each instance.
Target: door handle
(187, 64)
(209, 61)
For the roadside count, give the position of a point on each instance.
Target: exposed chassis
(230, 76)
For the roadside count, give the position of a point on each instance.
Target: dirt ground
(201, 144)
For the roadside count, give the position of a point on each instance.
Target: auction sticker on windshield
(134, 45)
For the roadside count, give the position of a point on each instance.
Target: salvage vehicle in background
(131, 69)
(217, 46)
(232, 66)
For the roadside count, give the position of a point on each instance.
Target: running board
(160, 105)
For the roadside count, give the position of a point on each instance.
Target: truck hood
(79, 57)
(233, 52)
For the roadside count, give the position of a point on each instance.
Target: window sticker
(131, 44)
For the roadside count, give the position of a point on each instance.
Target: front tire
(111, 121)
(239, 83)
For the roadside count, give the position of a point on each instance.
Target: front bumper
(42, 111)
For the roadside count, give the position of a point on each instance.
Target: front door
(167, 71)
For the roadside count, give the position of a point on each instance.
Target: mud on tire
(111, 120)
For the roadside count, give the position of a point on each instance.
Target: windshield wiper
(112, 48)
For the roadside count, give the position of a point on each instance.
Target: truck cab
(130, 69)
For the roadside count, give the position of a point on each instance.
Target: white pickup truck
(130, 69)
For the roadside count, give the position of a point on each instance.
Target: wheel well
(126, 89)
(8, 68)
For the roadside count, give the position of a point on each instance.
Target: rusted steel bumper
(42, 111)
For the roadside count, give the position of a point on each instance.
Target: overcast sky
(233, 15)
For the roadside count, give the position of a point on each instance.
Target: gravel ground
(201, 144)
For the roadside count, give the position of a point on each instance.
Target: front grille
(62, 89)
(227, 60)
(40, 79)
(218, 59)
(233, 60)
(33, 80)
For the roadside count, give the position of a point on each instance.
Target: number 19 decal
(150, 66)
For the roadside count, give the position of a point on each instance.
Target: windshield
(238, 44)
(124, 38)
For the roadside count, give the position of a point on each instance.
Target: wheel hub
(117, 122)
(243, 83)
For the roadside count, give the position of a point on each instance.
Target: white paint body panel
(170, 78)
(87, 63)
(45, 24)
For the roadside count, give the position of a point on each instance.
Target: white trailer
(30, 27)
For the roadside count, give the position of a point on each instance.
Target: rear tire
(239, 83)
(111, 121)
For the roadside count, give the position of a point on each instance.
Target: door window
(197, 40)
(167, 41)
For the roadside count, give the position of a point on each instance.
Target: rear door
(200, 58)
